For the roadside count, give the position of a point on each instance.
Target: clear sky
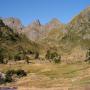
(44, 10)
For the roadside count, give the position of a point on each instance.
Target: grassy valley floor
(49, 76)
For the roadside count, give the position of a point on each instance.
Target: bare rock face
(36, 31)
(13, 23)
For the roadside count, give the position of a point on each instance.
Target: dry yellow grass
(50, 76)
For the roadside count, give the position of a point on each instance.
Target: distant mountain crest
(54, 21)
(36, 31)
(36, 22)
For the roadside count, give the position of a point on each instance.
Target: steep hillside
(79, 29)
(13, 43)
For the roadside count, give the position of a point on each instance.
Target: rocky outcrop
(36, 31)
(13, 23)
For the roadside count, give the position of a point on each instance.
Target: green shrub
(57, 59)
(36, 55)
(18, 56)
(88, 55)
(8, 78)
(1, 59)
(53, 56)
(21, 73)
(10, 73)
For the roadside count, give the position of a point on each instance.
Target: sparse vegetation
(9, 75)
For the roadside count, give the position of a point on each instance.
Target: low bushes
(9, 75)
(21, 73)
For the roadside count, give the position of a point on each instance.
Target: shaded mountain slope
(13, 43)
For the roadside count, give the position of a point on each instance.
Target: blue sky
(44, 10)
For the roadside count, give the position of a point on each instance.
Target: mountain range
(54, 35)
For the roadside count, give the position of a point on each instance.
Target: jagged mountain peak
(36, 23)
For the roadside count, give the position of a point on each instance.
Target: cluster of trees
(19, 54)
(52, 56)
